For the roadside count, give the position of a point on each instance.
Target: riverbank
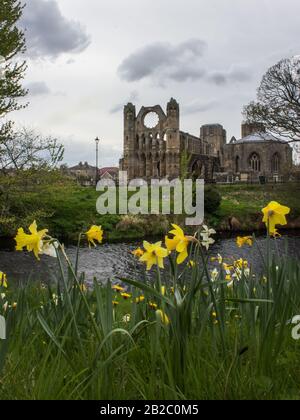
(66, 209)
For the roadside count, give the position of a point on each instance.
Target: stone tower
(129, 139)
(249, 128)
(213, 137)
(151, 142)
(173, 139)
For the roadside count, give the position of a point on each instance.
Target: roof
(111, 170)
(82, 166)
(260, 138)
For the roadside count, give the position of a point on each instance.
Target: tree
(278, 101)
(27, 149)
(12, 43)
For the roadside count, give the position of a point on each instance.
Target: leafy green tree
(12, 44)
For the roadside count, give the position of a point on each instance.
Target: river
(109, 261)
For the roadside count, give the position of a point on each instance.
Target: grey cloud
(133, 97)
(236, 73)
(37, 88)
(164, 61)
(49, 33)
(198, 106)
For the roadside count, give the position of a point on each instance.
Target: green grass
(245, 202)
(66, 208)
(220, 343)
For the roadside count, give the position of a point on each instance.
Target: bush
(212, 199)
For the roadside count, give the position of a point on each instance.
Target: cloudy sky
(87, 58)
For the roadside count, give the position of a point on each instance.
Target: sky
(88, 58)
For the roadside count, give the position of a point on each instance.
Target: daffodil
(95, 233)
(206, 233)
(153, 305)
(275, 214)
(126, 318)
(191, 264)
(138, 253)
(241, 263)
(118, 288)
(162, 317)
(244, 240)
(33, 242)
(179, 242)
(154, 254)
(214, 274)
(3, 280)
(126, 296)
(140, 299)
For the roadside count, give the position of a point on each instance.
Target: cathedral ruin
(156, 147)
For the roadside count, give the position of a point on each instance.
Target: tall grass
(220, 342)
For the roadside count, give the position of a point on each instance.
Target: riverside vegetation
(65, 208)
(191, 333)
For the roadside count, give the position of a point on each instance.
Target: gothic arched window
(275, 163)
(255, 164)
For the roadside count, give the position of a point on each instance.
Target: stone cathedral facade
(156, 147)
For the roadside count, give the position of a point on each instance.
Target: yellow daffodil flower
(179, 242)
(163, 317)
(154, 254)
(95, 233)
(140, 299)
(138, 253)
(3, 280)
(245, 240)
(152, 305)
(191, 264)
(241, 263)
(275, 214)
(125, 296)
(33, 242)
(118, 288)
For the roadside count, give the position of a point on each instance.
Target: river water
(109, 261)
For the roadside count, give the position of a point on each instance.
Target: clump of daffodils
(40, 243)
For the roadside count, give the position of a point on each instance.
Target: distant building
(258, 155)
(109, 173)
(84, 173)
(154, 146)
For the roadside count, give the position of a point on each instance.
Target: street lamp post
(97, 141)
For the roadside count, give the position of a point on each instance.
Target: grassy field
(75, 209)
(66, 208)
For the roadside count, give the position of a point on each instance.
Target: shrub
(212, 199)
